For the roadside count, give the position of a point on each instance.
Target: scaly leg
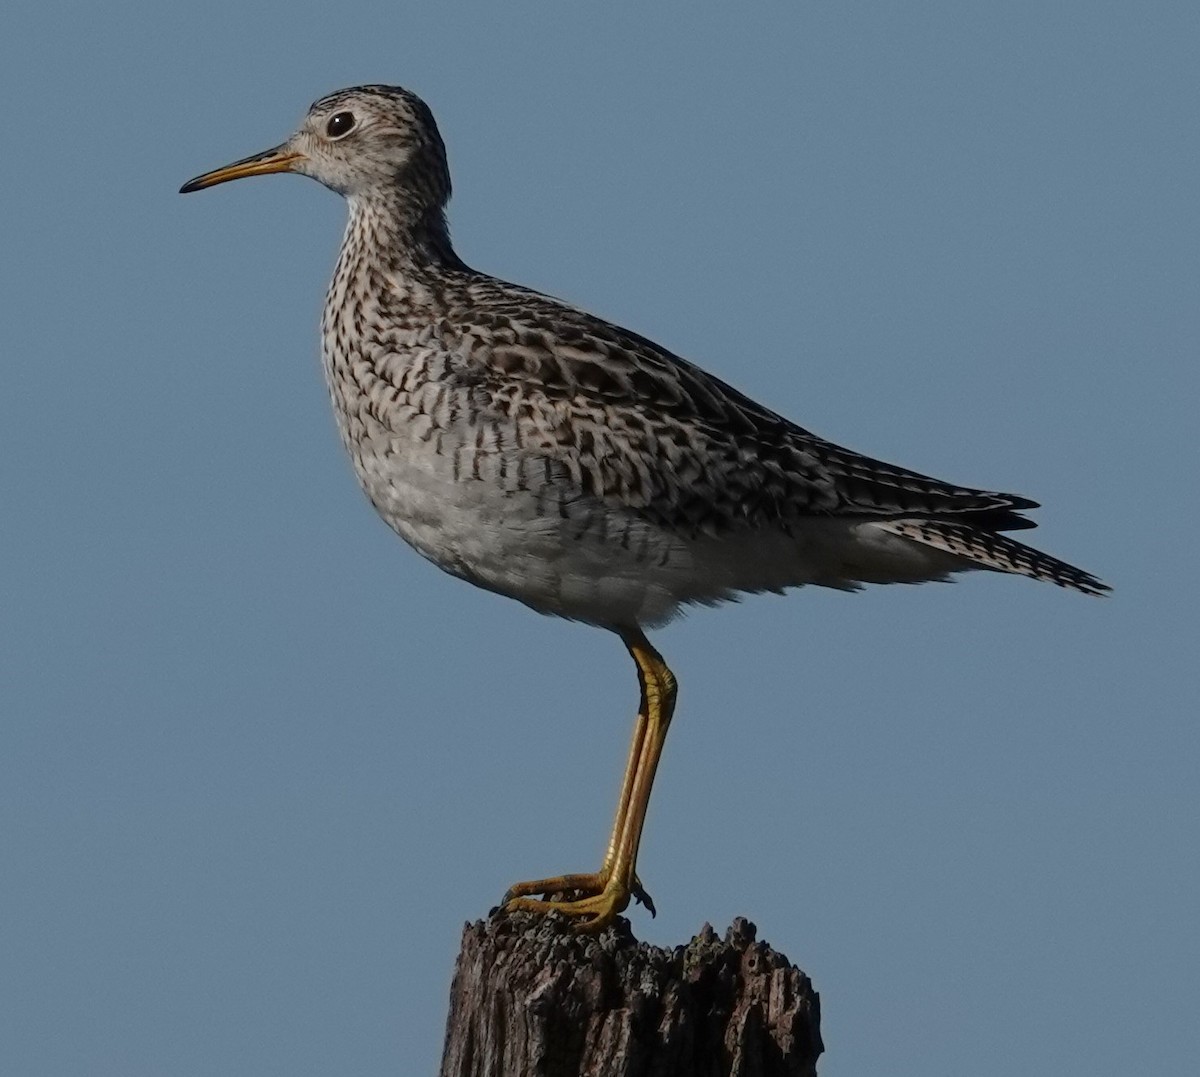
(590, 883)
(607, 892)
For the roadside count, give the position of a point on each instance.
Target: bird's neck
(408, 239)
(395, 269)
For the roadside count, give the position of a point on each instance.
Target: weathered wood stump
(532, 999)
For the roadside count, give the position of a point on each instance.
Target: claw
(642, 898)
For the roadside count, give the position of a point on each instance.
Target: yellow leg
(631, 766)
(607, 892)
(594, 882)
(658, 693)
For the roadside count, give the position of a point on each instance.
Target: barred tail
(989, 549)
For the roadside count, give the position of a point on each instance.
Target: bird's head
(366, 142)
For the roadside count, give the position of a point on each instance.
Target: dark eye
(340, 123)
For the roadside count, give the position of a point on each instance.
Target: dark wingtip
(1091, 585)
(1005, 515)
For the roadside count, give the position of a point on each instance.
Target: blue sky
(258, 762)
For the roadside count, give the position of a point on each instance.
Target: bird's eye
(340, 123)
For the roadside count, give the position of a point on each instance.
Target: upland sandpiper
(538, 451)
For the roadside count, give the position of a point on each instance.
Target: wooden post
(532, 999)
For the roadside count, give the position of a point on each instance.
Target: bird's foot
(587, 914)
(600, 898)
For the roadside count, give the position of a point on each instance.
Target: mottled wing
(638, 426)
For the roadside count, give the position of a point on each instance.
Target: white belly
(546, 545)
(572, 556)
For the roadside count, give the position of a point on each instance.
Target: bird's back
(545, 453)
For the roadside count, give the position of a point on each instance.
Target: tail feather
(988, 549)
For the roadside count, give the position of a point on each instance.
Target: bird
(535, 450)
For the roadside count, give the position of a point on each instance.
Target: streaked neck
(400, 234)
